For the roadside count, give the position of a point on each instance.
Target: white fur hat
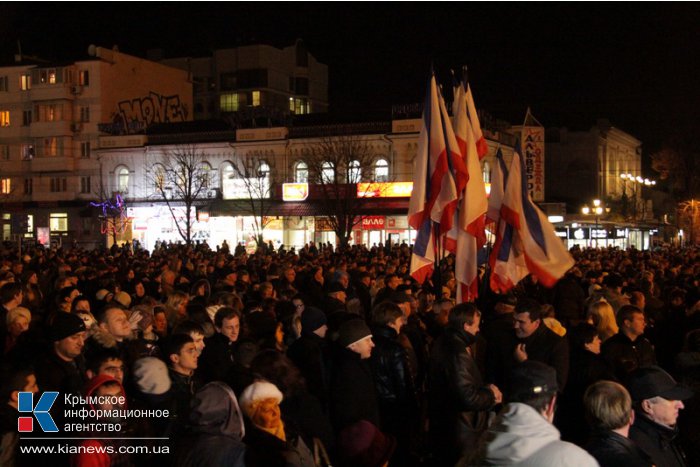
(259, 390)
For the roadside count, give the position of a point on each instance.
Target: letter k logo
(41, 412)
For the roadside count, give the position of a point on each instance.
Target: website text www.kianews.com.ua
(64, 448)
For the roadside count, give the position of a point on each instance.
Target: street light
(597, 210)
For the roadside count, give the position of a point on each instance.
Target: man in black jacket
(458, 399)
(217, 357)
(539, 343)
(609, 411)
(658, 399)
(628, 349)
(398, 402)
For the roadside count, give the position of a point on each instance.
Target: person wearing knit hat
(151, 376)
(353, 396)
(363, 445)
(314, 320)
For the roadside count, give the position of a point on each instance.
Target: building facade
(256, 81)
(50, 120)
(295, 212)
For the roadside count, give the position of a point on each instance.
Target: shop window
(58, 222)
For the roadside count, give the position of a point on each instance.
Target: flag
(434, 198)
(546, 256)
(506, 260)
(434, 193)
(470, 235)
(481, 145)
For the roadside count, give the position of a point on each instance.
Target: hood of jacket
(517, 434)
(215, 410)
(98, 381)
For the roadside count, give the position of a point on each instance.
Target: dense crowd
(208, 357)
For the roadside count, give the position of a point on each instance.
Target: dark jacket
(215, 430)
(311, 355)
(624, 356)
(392, 379)
(658, 441)
(458, 399)
(545, 346)
(216, 359)
(353, 396)
(614, 450)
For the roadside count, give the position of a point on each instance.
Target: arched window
(264, 170)
(227, 173)
(354, 172)
(301, 172)
(122, 179)
(205, 175)
(381, 170)
(486, 172)
(158, 178)
(327, 172)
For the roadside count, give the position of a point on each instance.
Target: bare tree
(337, 164)
(256, 178)
(180, 177)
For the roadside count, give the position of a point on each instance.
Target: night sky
(636, 64)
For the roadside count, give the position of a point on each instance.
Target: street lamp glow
(598, 210)
(640, 179)
(586, 210)
(596, 202)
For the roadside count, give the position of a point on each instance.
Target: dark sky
(636, 64)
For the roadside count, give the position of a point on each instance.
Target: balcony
(49, 92)
(47, 129)
(52, 164)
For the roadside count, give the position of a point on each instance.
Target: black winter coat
(624, 356)
(392, 378)
(353, 395)
(659, 442)
(545, 346)
(311, 355)
(458, 399)
(216, 359)
(614, 450)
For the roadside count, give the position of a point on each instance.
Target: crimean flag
(481, 145)
(546, 256)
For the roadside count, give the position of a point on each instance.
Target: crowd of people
(320, 356)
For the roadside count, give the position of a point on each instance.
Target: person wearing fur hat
(266, 439)
(353, 394)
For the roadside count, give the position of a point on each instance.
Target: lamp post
(596, 210)
(635, 181)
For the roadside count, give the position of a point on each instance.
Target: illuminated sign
(295, 191)
(373, 222)
(384, 190)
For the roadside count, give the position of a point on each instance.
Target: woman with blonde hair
(601, 315)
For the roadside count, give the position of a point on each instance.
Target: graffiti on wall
(133, 115)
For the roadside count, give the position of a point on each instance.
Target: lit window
(327, 172)
(354, 172)
(4, 118)
(159, 178)
(6, 186)
(30, 223)
(50, 146)
(52, 76)
(301, 173)
(25, 82)
(229, 102)
(123, 180)
(487, 173)
(58, 222)
(205, 173)
(256, 98)
(227, 173)
(381, 171)
(84, 78)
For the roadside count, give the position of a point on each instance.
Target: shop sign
(578, 234)
(599, 233)
(533, 147)
(295, 191)
(239, 188)
(373, 222)
(43, 235)
(398, 222)
(323, 224)
(562, 232)
(272, 223)
(384, 190)
(202, 216)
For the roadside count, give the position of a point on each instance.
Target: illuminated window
(159, 178)
(52, 76)
(25, 82)
(327, 172)
(301, 172)
(354, 172)
(50, 146)
(228, 173)
(4, 118)
(84, 78)
(58, 222)
(122, 179)
(205, 174)
(255, 101)
(381, 171)
(6, 186)
(30, 223)
(299, 106)
(487, 172)
(229, 102)
(49, 113)
(27, 152)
